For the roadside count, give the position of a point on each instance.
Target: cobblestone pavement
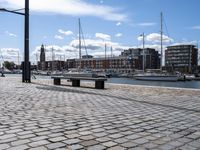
(40, 116)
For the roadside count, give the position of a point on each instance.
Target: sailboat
(79, 72)
(152, 76)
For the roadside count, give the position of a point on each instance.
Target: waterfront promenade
(40, 116)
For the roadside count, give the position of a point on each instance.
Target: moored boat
(157, 77)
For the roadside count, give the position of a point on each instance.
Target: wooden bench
(99, 82)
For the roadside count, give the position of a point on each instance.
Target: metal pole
(161, 39)
(111, 52)
(143, 52)
(105, 56)
(26, 77)
(79, 24)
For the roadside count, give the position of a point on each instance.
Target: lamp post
(26, 74)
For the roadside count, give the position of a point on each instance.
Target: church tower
(42, 54)
(42, 58)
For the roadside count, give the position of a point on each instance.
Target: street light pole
(26, 76)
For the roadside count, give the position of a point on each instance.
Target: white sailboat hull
(170, 78)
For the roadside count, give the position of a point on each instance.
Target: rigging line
(166, 29)
(83, 41)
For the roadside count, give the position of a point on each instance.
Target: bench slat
(79, 78)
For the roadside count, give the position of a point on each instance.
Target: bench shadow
(63, 89)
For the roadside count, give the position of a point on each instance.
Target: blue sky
(118, 23)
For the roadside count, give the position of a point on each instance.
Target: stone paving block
(87, 137)
(20, 147)
(96, 147)
(24, 132)
(57, 139)
(44, 133)
(121, 140)
(102, 134)
(109, 144)
(195, 144)
(26, 136)
(116, 148)
(39, 138)
(39, 143)
(103, 139)
(132, 137)
(71, 141)
(149, 145)
(140, 141)
(176, 143)
(55, 134)
(129, 145)
(4, 146)
(56, 145)
(39, 148)
(7, 136)
(89, 143)
(166, 147)
(187, 147)
(75, 147)
(97, 130)
(85, 133)
(14, 131)
(115, 136)
(20, 142)
(71, 136)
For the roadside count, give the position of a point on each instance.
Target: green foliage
(9, 65)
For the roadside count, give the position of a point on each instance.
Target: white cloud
(155, 38)
(66, 33)
(118, 24)
(10, 54)
(118, 35)
(186, 43)
(10, 34)
(147, 24)
(196, 27)
(58, 37)
(69, 7)
(103, 36)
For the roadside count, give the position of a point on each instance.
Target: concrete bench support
(56, 81)
(76, 83)
(99, 84)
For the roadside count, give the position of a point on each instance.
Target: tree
(9, 65)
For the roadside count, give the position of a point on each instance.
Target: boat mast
(111, 51)
(143, 52)
(105, 56)
(79, 24)
(161, 39)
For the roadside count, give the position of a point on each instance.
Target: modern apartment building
(182, 58)
(151, 58)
